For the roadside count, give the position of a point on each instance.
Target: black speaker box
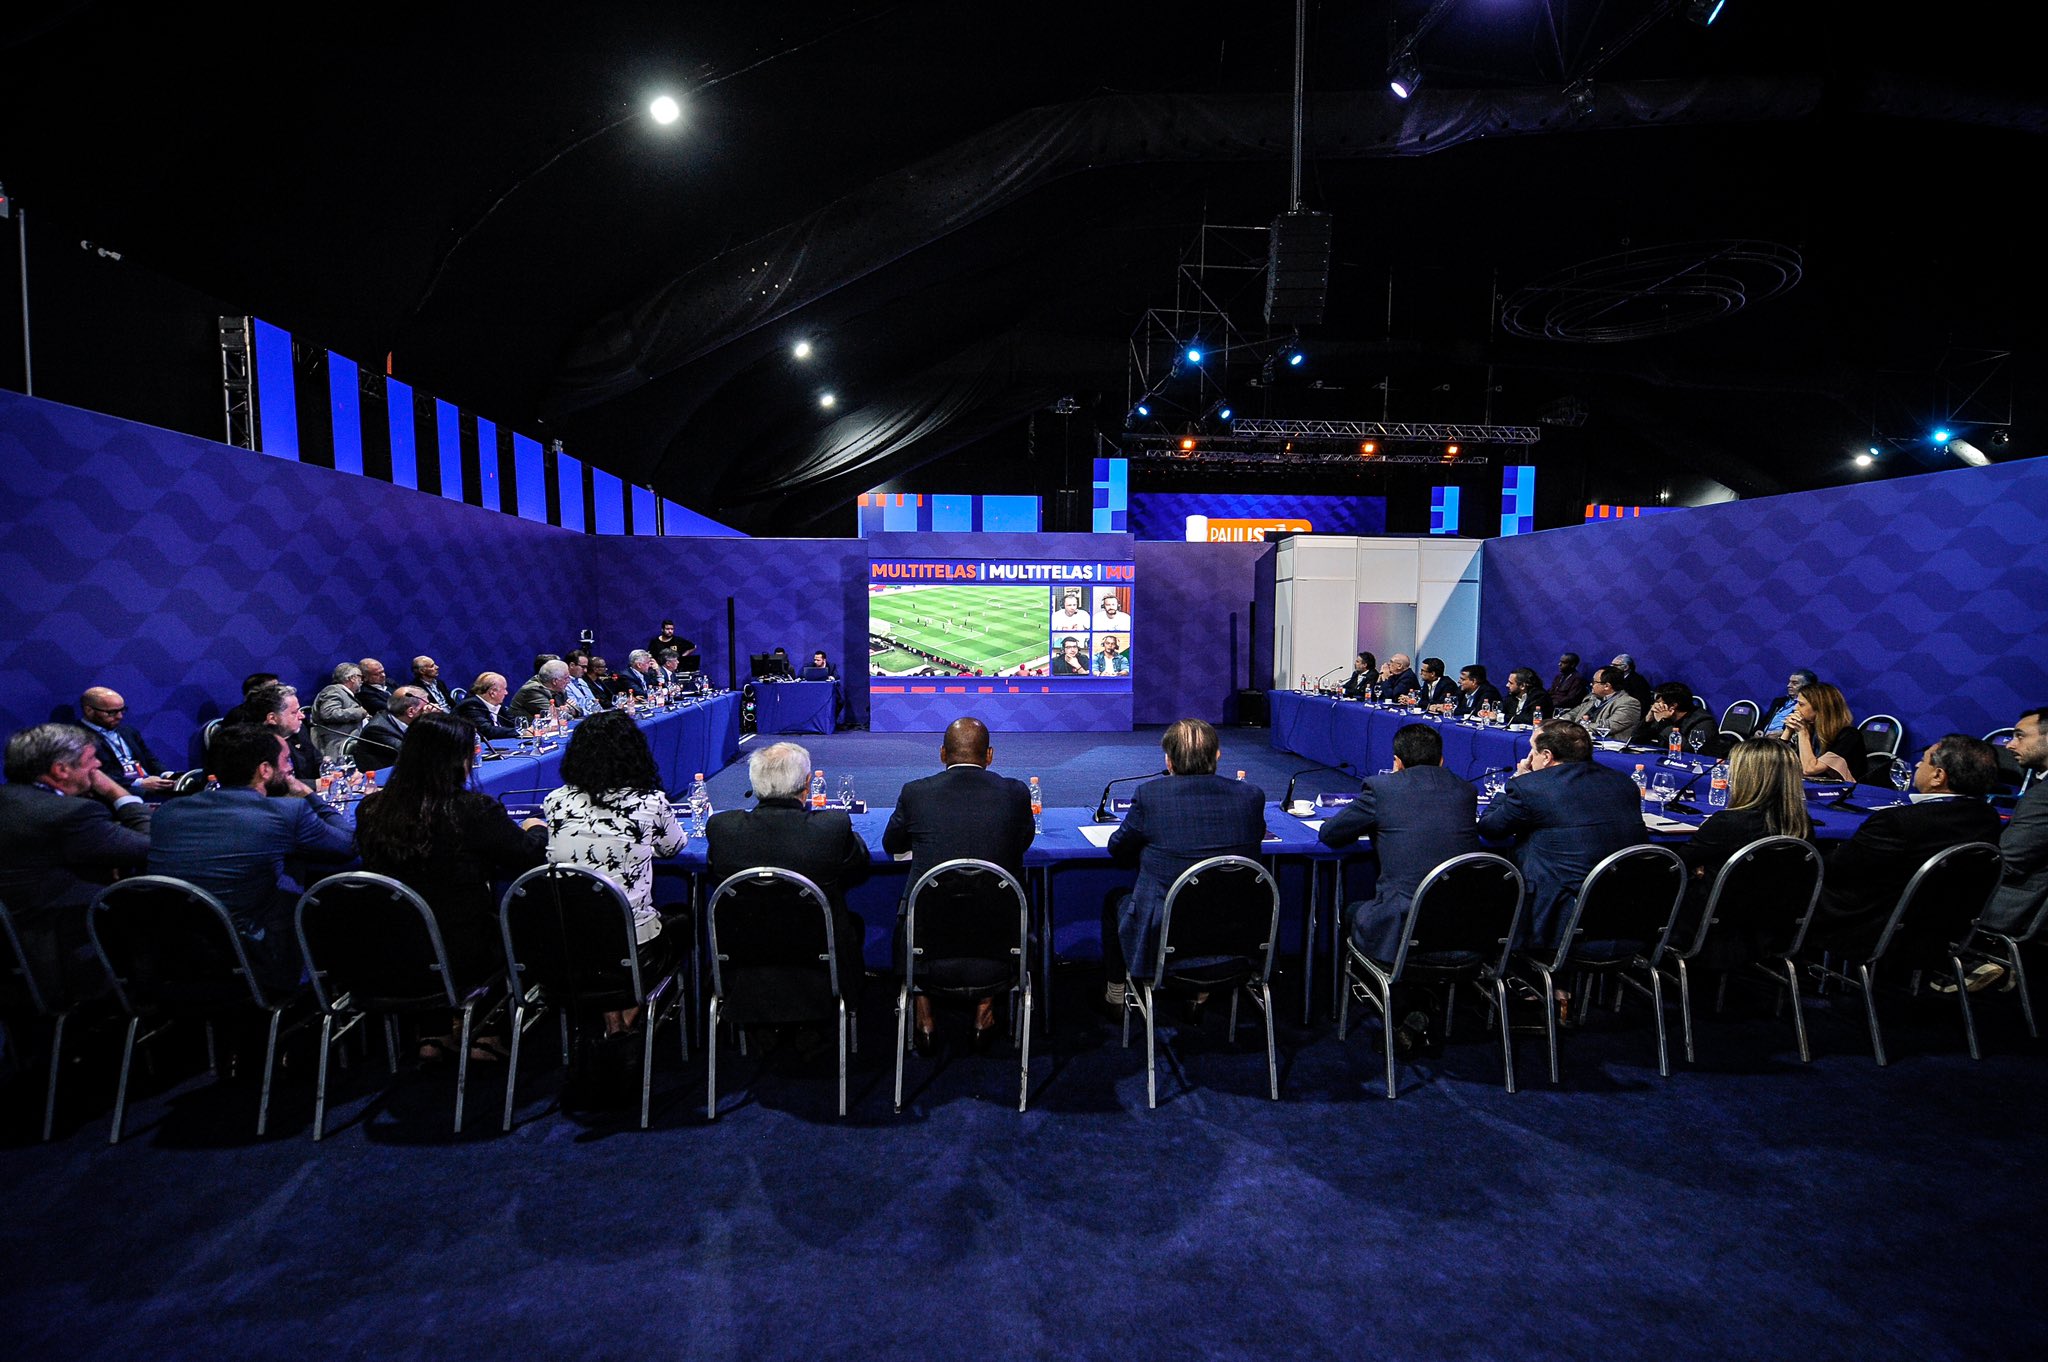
(1298, 269)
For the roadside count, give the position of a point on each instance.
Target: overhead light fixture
(802, 349)
(1578, 97)
(1702, 13)
(828, 400)
(1873, 451)
(1864, 460)
(1969, 453)
(1224, 413)
(1294, 360)
(1941, 436)
(1142, 410)
(1187, 442)
(664, 110)
(1404, 74)
(1450, 451)
(1369, 448)
(1194, 354)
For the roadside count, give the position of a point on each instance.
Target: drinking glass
(1600, 731)
(1663, 788)
(1902, 774)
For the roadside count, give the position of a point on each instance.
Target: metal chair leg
(1386, 1005)
(1344, 976)
(1233, 1016)
(391, 1043)
(647, 1064)
(121, 1090)
(1151, 1064)
(2019, 980)
(1798, 1012)
(212, 1052)
(1507, 1043)
(1870, 1006)
(512, 1060)
(1130, 996)
(1308, 948)
(1657, 1006)
(842, 1056)
(562, 1016)
(1963, 996)
(462, 1067)
(269, 1072)
(56, 1067)
(1685, 1005)
(1450, 1010)
(1023, 1052)
(1550, 1020)
(902, 1038)
(711, 1061)
(320, 1083)
(1272, 1047)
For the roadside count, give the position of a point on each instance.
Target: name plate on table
(1118, 808)
(1334, 801)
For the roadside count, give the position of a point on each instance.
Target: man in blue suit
(242, 841)
(1397, 679)
(1187, 817)
(1568, 815)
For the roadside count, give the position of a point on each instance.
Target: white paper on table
(1312, 824)
(1098, 833)
(1658, 823)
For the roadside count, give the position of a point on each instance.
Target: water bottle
(700, 805)
(817, 789)
(1717, 786)
(1642, 782)
(1037, 807)
(1674, 743)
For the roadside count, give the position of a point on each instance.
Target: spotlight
(1450, 451)
(1702, 13)
(1187, 442)
(1294, 360)
(1941, 436)
(1578, 97)
(1224, 413)
(1873, 451)
(665, 110)
(828, 401)
(1404, 75)
(1369, 448)
(1864, 460)
(1142, 409)
(1969, 453)
(1194, 354)
(802, 350)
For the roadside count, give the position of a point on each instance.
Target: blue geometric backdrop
(1922, 597)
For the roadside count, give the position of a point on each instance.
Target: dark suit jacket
(235, 844)
(56, 851)
(458, 877)
(1174, 822)
(479, 714)
(1638, 685)
(1360, 686)
(437, 694)
(635, 681)
(1567, 817)
(1566, 690)
(1442, 691)
(1532, 708)
(375, 699)
(377, 745)
(819, 844)
(2023, 883)
(1419, 818)
(138, 752)
(1867, 873)
(1472, 703)
(1398, 685)
(306, 755)
(961, 811)
(1649, 734)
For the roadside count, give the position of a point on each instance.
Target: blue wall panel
(607, 503)
(489, 475)
(645, 521)
(569, 492)
(398, 418)
(277, 403)
(448, 442)
(345, 413)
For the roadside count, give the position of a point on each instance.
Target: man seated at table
(1397, 681)
(544, 694)
(1608, 707)
(243, 843)
(378, 746)
(1475, 693)
(782, 831)
(598, 676)
(1526, 701)
(123, 754)
(486, 709)
(1186, 817)
(964, 811)
(277, 707)
(2023, 847)
(337, 714)
(1867, 873)
(426, 674)
(1630, 681)
(639, 679)
(1069, 660)
(376, 691)
(1566, 814)
(1568, 687)
(580, 693)
(1419, 817)
(1364, 678)
(820, 668)
(67, 828)
(1435, 692)
(1785, 706)
(1671, 707)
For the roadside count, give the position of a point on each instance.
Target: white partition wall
(1419, 596)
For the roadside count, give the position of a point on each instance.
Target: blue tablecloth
(795, 706)
(704, 735)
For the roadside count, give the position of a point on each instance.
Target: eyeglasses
(108, 709)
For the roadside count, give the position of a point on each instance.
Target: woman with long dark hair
(1766, 798)
(430, 831)
(611, 815)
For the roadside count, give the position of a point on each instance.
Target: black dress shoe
(923, 1041)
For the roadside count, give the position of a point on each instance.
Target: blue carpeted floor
(1747, 1207)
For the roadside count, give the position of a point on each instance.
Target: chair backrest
(374, 939)
(1227, 907)
(1999, 737)
(20, 972)
(570, 929)
(1468, 908)
(170, 946)
(346, 748)
(206, 732)
(1882, 730)
(1741, 718)
(1942, 899)
(966, 909)
(1631, 898)
(765, 918)
(459, 694)
(1766, 891)
(2012, 777)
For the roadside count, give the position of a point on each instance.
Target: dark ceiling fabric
(774, 275)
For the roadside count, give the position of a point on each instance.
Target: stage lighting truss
(1267, 442)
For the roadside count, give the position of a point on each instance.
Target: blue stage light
(1194, 355)
(1224, 414)
(1144, 410)
(1294, 360)
(1941, 437)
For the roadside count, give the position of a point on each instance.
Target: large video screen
(1072, 623)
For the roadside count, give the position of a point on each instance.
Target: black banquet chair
(23, 988)
(571, 945)
(1460, 928)
(1218, 930)
(1934, 913)
(1624, 910)
(373, 949)
(1741, 718)
(173, 954)
(1985, 944)
(774, 962)
(967, 935)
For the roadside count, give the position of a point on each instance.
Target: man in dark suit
(1526, 702)
(375, 695)
(485, 708)
(1568, 815)
(965, 810)
(381, 738)
(243, 843)
(123, 754)
(1772, 722)
(783, 832)
(1671, 707)
(1436, 691)
(1867, 873)
(277, 707)
(1364, 678)
(1475, 693)
(1189, 816)
(1398, 682)
(1568, 687)
(1419, 817)
(1632, 682)
(2023, 882)
(426, 674)
(66, 829)
(640, 677)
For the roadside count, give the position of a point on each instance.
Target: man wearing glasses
(123, 753)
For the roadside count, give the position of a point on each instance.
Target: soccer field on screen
(991, 629)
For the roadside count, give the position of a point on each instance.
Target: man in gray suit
(1609, 707)
(2023, 883)
(1419, 817)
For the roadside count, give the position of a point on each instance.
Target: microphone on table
(1677, 801)
(1489, 771)
(1287, 800)
(1330, 673)
(1841, 801)
(1102, 804)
